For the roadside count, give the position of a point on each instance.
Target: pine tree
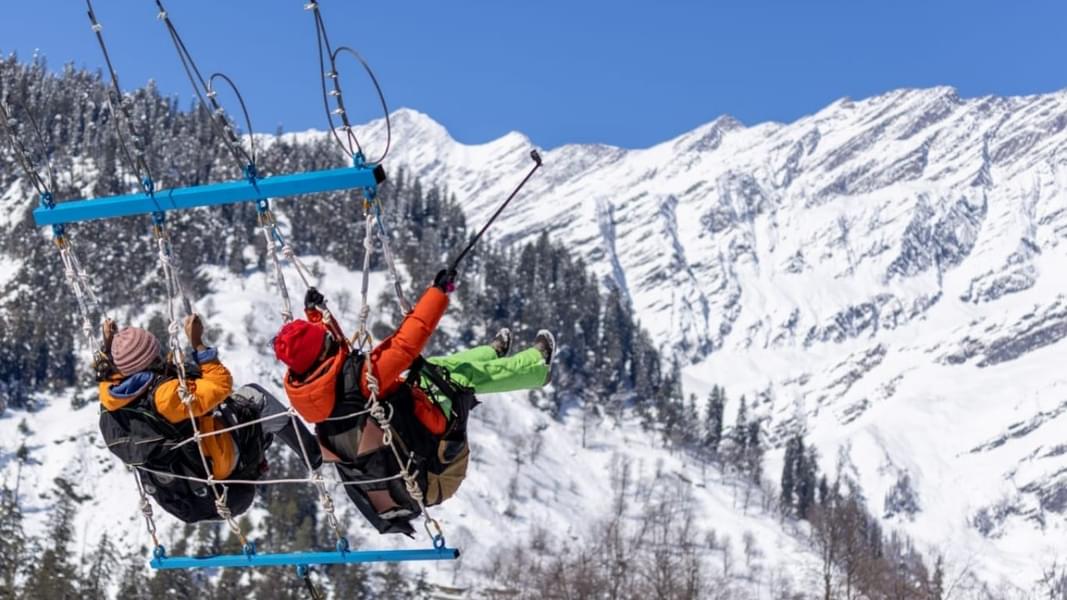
(133, 581)
(12, 545)
(807, 476)
(691, 424)
(754, 453)
(56, 576)
(97, 578)
(937, 582)
(739, 437)
(615, 343)
(350, 582)
(788, 481)
(714, 421)
(394, 585)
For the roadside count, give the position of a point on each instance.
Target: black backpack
(440, 460)
(141, 437)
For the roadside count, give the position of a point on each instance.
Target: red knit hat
(298, 344)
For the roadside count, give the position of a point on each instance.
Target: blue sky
(609, 71)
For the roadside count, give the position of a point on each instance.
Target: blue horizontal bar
(212, 194)
(302, 558)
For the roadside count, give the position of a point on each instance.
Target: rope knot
(372, 385)
(412, 486)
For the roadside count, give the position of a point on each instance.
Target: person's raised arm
(396, 353)
(208, 391)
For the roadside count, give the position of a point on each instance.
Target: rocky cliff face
(887, 273)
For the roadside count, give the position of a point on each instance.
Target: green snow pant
(480, 369)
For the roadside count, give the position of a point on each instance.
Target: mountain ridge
(870, 257)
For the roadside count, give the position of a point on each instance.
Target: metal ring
(381, 97)
(244, 109)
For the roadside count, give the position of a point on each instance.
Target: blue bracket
(232, 192)
(48, 202)
(298, 559)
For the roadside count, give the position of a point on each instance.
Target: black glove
(313, 299)
(445, 280)
(103, 367)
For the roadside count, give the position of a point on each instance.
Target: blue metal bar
(231, 192)
(301, 558)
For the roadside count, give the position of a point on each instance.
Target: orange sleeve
(396, 353)
(213, 386)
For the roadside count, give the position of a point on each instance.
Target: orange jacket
(396, 353)
(209, 391)
(315, 396)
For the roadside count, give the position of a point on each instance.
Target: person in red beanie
(145, 420)
(331, 387)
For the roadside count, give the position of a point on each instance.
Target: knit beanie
(298, 344)
(133, 350)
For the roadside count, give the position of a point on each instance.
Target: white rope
(349, 416)
(290, 255)
(290, 412)
(410, 477)
(265, 482)
(269, 229)
(79, 295)
(390, 262)
(364, 307)
(189, 440)
(146, 509)
(79, 283)
(174, 293)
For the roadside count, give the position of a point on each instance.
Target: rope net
(381, 412)
(361, 340)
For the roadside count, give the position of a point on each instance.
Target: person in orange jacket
(145, 420)
(331, 387)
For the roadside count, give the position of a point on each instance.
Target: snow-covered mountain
(887, 273)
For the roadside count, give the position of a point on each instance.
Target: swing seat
(161, 561)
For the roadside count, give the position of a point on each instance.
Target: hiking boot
(545, 343)
(502, 342)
